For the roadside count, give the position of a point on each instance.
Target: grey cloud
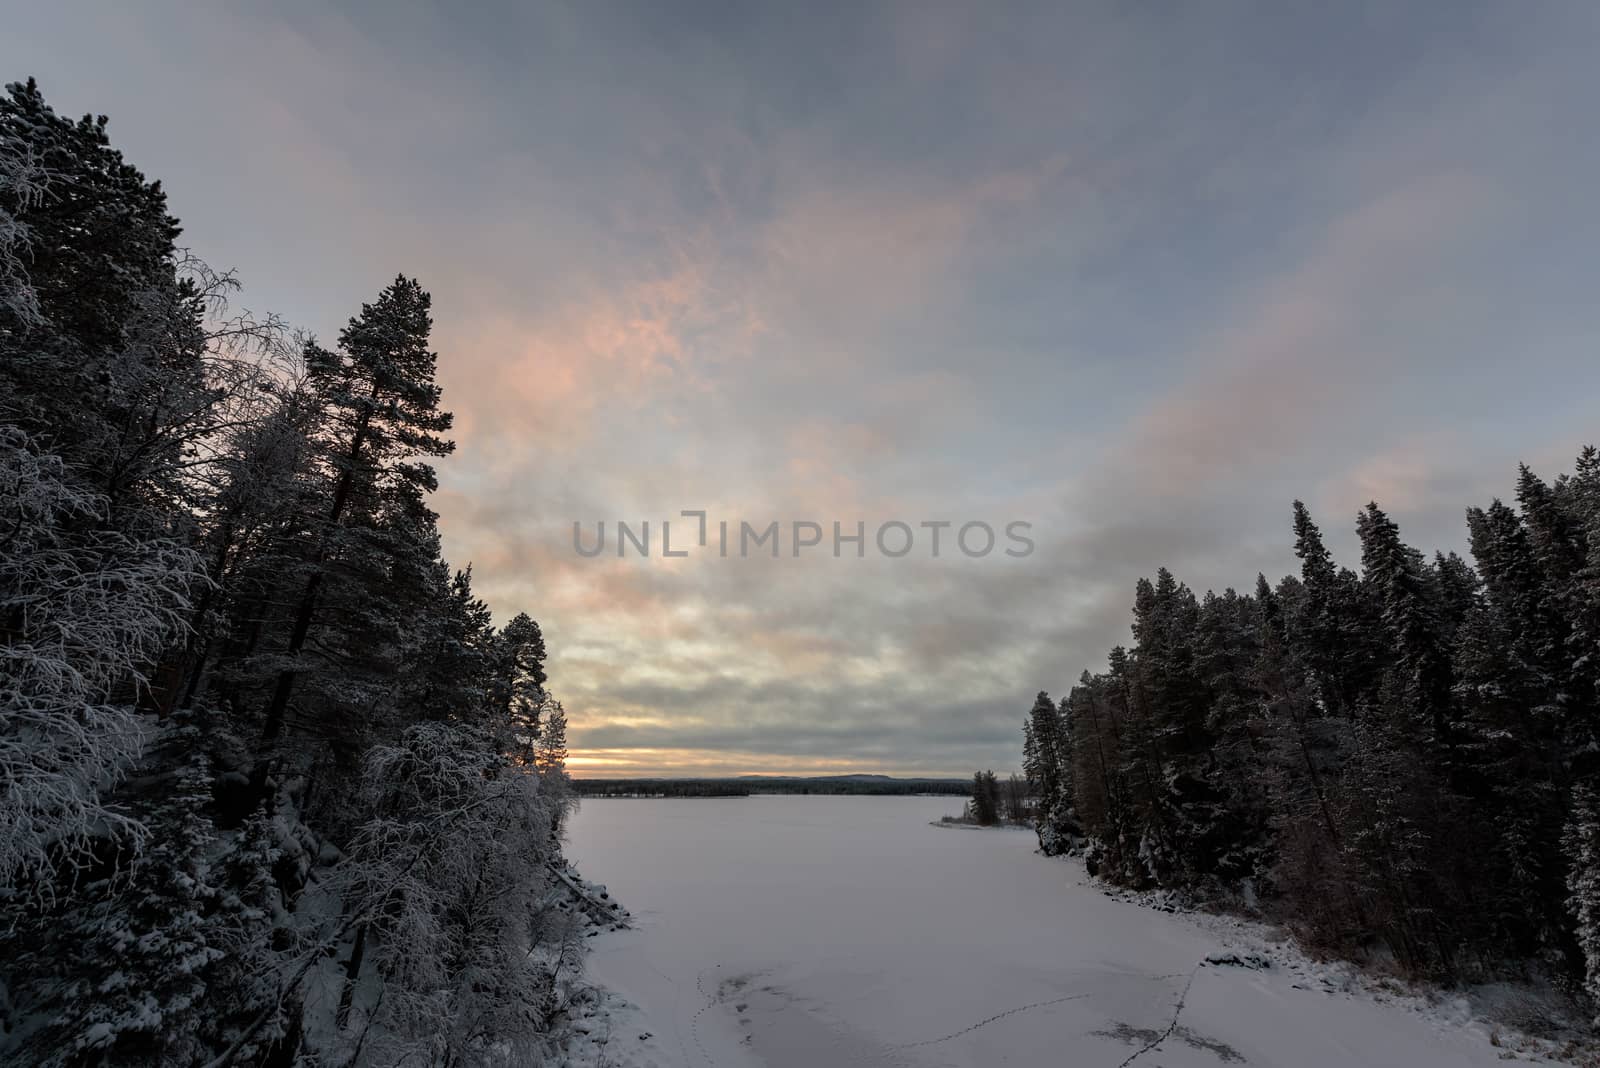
(1142, 279)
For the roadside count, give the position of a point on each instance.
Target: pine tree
(1049, 773)
(1511, 732)
(98, 240)
(251, 921)
(522, 649)
(22, 187)
(552, 753)
(517, 685)
(985, 804)
(448, 659)
(1459, 590)
(1329, 627)
(1403, 590)
(381, 407)
(1582, 842)
(1305, 750)
(1583, 653)
(1234, 844)
(1094, 758)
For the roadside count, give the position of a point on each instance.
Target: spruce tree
(1404, 592)
(140, 951)
(985, 803)
(1582, 841)
(1331, 632)
(1042, 759)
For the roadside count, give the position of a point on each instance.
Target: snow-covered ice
(799, 932)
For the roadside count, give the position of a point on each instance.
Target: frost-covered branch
(84, 613)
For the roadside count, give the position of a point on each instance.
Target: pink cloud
(1305, 343)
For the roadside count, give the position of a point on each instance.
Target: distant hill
(831, 778)
(745, 785)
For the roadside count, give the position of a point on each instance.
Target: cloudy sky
(1138, 274)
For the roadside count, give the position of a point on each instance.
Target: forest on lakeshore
(1400, 763)
(748, 785)
(274, 787)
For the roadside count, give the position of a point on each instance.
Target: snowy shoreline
(1505, 1014)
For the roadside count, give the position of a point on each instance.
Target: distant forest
(745, 786)
(1398, 762)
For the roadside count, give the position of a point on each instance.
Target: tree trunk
(352, 972)
(273, 725)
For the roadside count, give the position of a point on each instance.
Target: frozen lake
(802, 932)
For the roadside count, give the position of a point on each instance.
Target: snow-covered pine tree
(1094, 759)
(550, 758)
(1331, 627)
(1227, 644)
(1512, 732)
(517, 687)
(258, 939)
(99, 241)
(1302, 756)
(1582, 842)
(381, 411)
(1459, 590)
(448, 665)
(1399, 583)
(985, 803)
(22, 183)
(522, 650)
(122, 371)
(138, 944)
(1584, 651)
(552, 753)
(1505, 561)
(1045, 763)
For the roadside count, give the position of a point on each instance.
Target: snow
(792, 932)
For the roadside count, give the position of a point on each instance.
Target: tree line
(274, 788)
(660, 788)
(745, 786)
(1400, 760)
